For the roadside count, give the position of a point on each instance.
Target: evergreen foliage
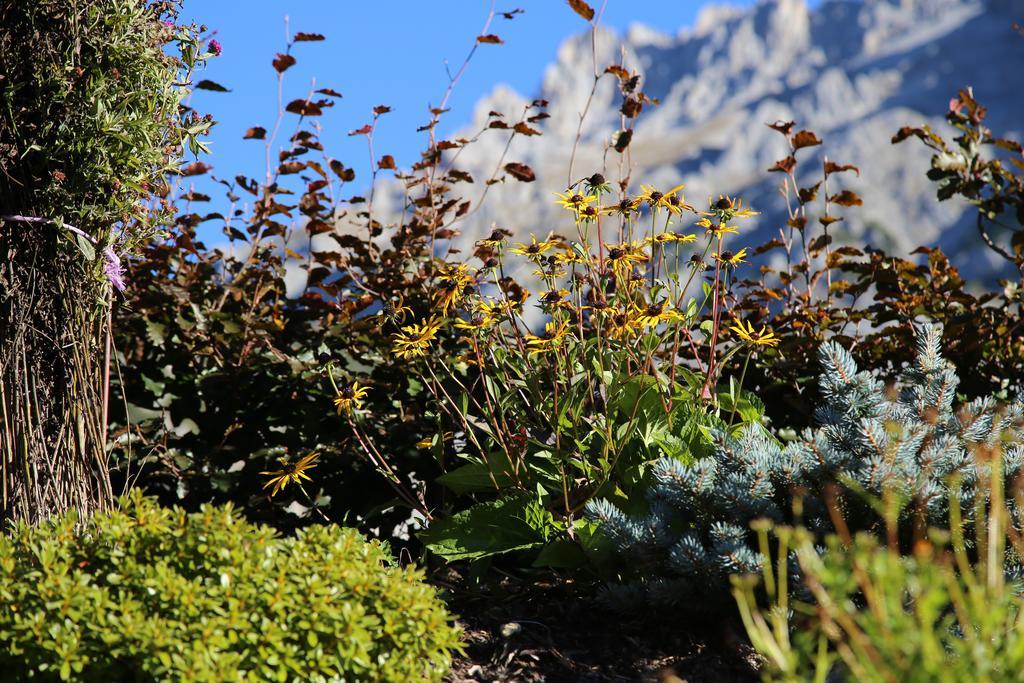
(909, 440)
(145, 593)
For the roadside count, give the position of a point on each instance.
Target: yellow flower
(655, 314)
(570, 255)
(762, 337)
(573, 201)
(624, 207)
(495, 309)
(394, 312)
(728, 258)
(621, 257)
(727, 208)
(413, 340)
(555, 298)
(716, 228)
(677, 237)
(451, 286)
(535, 248)
(551, 339)
(666, 200)
(496, 238)
(475, 324)
(619, 324)
(350, 398)
(290, 472)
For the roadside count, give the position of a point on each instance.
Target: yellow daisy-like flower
(495, 239)
(667, 237)
(555, 298)
(621, 257)
(451, 286)
(762, 337)
(570, 255)
(716, 228)
(290, 472)
(574, 201)
(666, 200)
(350, 398)
(727, 258)
(393, 311)
(414, 340)
(655, 314)
(619, 324)
(552, 338)
(475, 324)
(534, 249)
(727, 208)
(500, 307)
(624, 207)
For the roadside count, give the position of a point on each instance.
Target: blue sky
(384, 52)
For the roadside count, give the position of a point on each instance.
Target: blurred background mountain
(853, 71)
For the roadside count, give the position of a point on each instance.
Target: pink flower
(215, 47)
(113, 269)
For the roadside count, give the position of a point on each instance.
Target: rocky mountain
(852, 71)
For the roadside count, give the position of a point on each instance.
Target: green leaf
(485, 530)
(476, 477)
(748, 406)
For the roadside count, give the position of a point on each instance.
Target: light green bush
(146, 593)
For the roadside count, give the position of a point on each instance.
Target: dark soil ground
(528, 634)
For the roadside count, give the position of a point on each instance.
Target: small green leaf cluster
(145, 593)
(911, 441)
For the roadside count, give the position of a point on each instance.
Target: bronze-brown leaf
(784, 127)
(304, 108)
(805, 138)
(489, 38)
(618, 71)
(283, 62)
(846, 198)
(581, 8)
(255, 133)
(524, 129)
(345, 174)
(631, 107)
(832, 167)
(520, 172)
(291, 167)
(808, 194)
(210, 85)
(196, 168)
(301, 37)
(784, 165)
(387, 162)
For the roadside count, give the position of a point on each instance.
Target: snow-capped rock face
(854, 72)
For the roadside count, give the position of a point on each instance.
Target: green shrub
(147, 593)
(865, 611)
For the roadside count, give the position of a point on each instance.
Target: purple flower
(215, 47)
(168, 23)
(113, 269)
